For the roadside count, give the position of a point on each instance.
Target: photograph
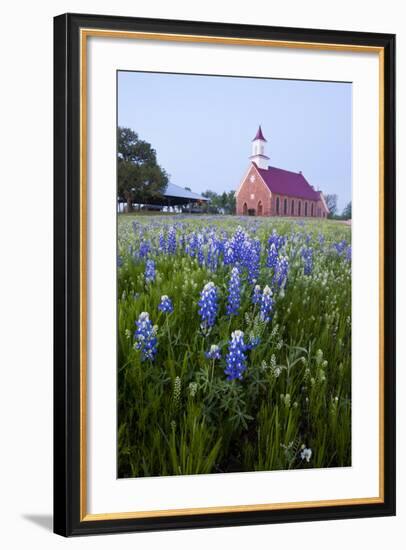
(233, 274)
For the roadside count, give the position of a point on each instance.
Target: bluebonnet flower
(162, 241)
(237, 244)
(200, 255)
(150, 271)
(214, 352)
(348, 253)
(272, 258)
(340, 247)
(253, 342)
(321, 239)
(266, 304)
(119, 261)
(236, 359)
(208, 306)
(281, 270)
(252, 260)
(276, 240)
(228, 257)
(256, 295)
(234, 292)
(212, 256)
(166, 305)
(307, 255)
(145, 337)
(171, 241)
(192, 245)
(144, 249)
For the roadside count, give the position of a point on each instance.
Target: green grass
(179, 414)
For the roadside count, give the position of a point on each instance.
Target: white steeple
(258, 150)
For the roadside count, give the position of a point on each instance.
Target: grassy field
(234, 344)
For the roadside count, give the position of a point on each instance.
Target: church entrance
(251, 211)
(259, 209)
(245, 209)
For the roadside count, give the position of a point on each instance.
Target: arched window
(245, 209)
(285, 207)
(299, 208)
(305, 208)
(259, 209)
(277, 206)
(312, 210)
(292, 208)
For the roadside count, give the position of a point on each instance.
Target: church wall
(253, 192)
(250, 193)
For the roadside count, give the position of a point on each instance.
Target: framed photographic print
(224, 274)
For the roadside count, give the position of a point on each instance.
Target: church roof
(259, 134)
(291, 184)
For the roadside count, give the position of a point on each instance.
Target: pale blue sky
(202, 126)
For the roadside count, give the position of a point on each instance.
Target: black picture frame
(67, 381)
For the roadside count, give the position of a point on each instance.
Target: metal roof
(259, 135)
(173, 190)
(291, 184)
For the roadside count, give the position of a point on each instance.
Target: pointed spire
(259, 135)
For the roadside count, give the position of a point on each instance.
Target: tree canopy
(347, 212)
(331, 201)
(139, 176)
(220, 204)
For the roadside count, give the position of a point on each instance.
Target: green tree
(347, 212)
(224, 203)
(139, 176)
(231, 202)
(211, 207)
(331, 201)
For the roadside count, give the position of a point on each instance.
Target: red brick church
(269, 191)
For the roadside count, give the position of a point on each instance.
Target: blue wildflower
(252, 260)
(237, 244)
(348, 253)
(234, 292)
(272, 258)
(214, 352)
(162, 241)
(256, 295)
(307, 255)
(266, 304)
(208, 306)
(150, 271)
(171, 242)
(145, 337)
(165, 305)
(281, 270)
(212, 256)
(253, 342)
(277, 240)
(228, 257)
(236, 360)
(200, 255)
(144, 249)
(340, 247)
